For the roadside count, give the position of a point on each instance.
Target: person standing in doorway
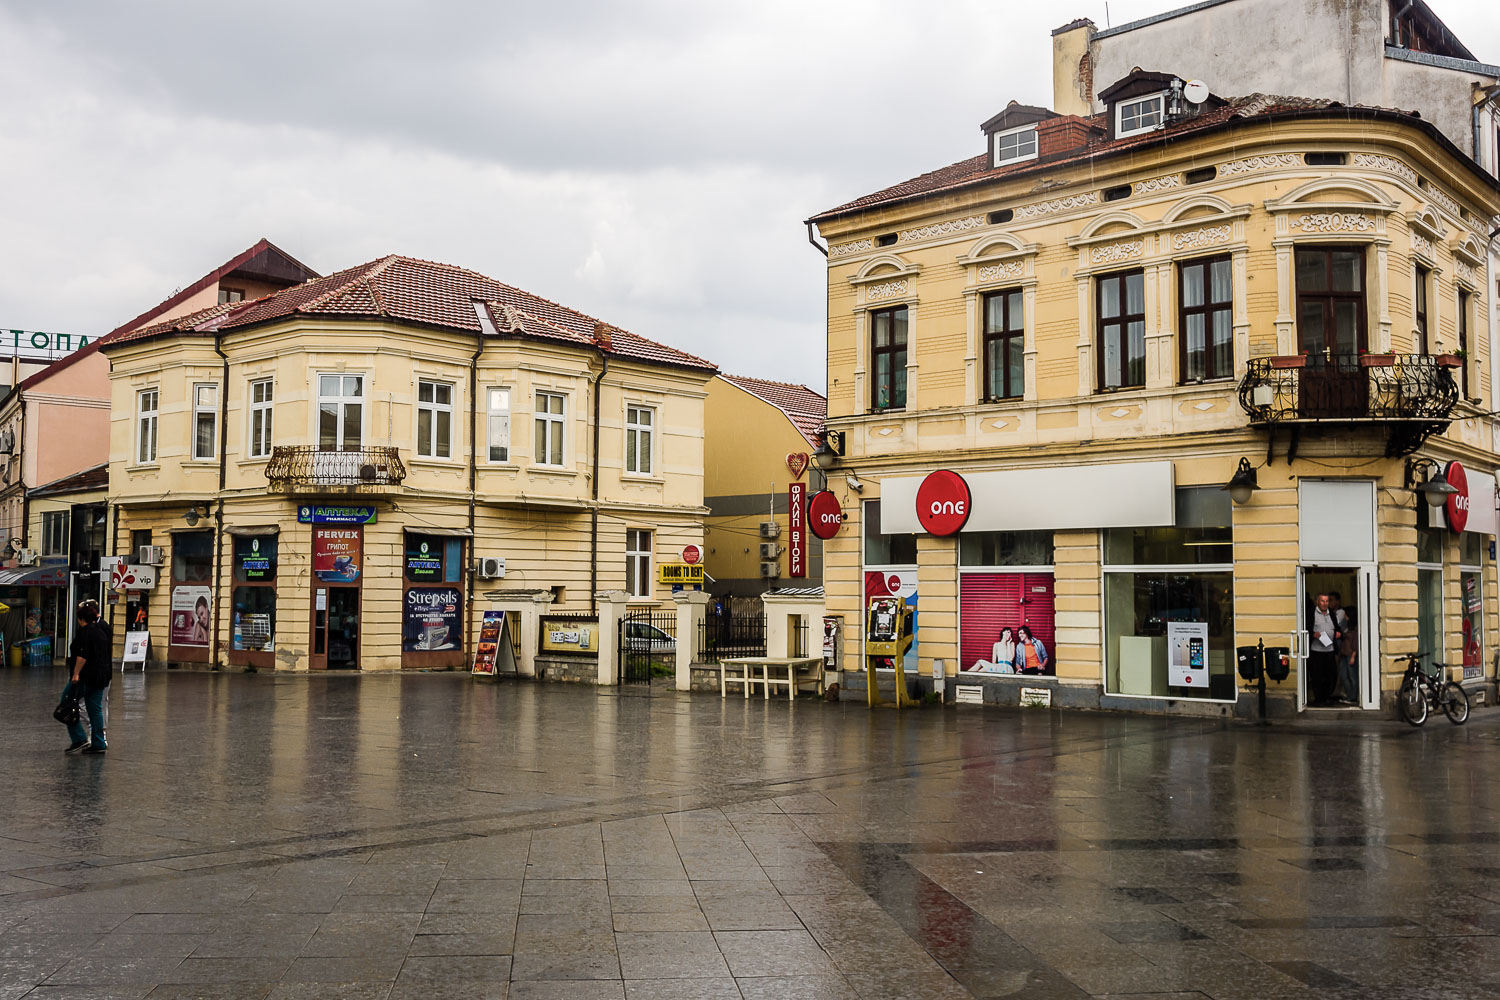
(91, 656)
(1349, 660)
(1321, 667)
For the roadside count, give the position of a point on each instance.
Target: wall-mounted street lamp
(192, 517)
(1242, 483)
(830, 449)
(1435, 489)
(12, 548)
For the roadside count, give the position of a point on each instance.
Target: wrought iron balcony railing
(306, 468)
(1414, 394)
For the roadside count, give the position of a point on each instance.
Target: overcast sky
(648, 163)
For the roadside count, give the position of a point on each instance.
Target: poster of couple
(1017, 651)
(1007, 623)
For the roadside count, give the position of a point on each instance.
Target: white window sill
(551, 470)
(143, 467)
(499, 466)
(647, 480)
(260, 460)
(431, 462)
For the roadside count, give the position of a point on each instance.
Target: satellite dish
(1195, 91)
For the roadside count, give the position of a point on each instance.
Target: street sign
(692, 555)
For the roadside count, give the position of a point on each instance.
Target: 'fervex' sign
(943, 503)
(825, 515)
(1457, 506)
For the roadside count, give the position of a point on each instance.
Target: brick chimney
(1072, 72)
(602, 332)
(1061, 135)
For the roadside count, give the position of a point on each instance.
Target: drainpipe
(473, 484)
(21, 479)
(814, 241)
(594, 489)
(219, 499)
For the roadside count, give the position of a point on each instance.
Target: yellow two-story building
(1046, 364)
(346, 473)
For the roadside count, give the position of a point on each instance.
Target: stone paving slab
(393, 837)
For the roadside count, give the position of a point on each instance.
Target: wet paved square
(262, 836)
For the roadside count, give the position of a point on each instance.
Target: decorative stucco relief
(1058, 205)
(1155, 184)
(995, 272)
(1334, 222)
(886, 290)
(1197, 238)
(1422, 245)
(1118, 252)
(1467, 273)
(941, 229)
(1266, 162)
(1444, 202)
(845, 249)
(1389, 164)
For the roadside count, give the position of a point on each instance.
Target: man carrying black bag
(91, 661)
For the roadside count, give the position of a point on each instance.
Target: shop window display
(1154, 577)
(254, 598)
(1006, 613)
(1471, 597)
(1429, 585)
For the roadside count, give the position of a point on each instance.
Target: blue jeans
(93, 702)
(1349, 676)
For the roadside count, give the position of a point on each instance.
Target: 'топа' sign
(943, 503)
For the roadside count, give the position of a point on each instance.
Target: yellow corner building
(347, 473)
(1104, 320)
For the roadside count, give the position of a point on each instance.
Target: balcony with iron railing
(1410, 396)
(373, 470)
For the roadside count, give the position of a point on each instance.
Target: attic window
(228, 295)
(1325, 159)
(889, 239)
(1201, 175)
(1004, 215)
(1015, 145)
(1141, 115)
(1117, 193)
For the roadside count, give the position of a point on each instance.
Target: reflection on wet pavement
(405, 836)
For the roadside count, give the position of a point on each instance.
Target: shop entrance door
(1353, 589)
(335, 634)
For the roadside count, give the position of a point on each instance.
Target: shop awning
(253, 529)
(441, 532)
(49, 576)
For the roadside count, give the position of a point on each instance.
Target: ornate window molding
(1470, 249)
(999, 261)
(882, 268)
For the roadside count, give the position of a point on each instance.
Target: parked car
(643, 637)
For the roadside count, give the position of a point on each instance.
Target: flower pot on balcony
(1449, 360)
(1289, 361)
(1377, 360)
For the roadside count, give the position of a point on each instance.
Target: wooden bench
(770, 671)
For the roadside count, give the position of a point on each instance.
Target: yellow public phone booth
(888, 636)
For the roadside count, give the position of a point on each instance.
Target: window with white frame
(499, 424)
(55, 533)
(434, 419)
(341, 412)
(145, 425)
(1015, 145)
(205, 421)
(639, 421)
(638, 562)
(262, 394)
(1140, 115)
(549, 428)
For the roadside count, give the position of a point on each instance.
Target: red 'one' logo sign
(1457, 507)
(824, 514)
(943, 503)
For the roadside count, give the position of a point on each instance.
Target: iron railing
(741, 635)
(307, 467)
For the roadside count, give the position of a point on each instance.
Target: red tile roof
(977, 170)
(421, 291)
(93, 478)
(806, 409)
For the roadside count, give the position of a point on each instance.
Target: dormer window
(1015, 145)
(1140, 115)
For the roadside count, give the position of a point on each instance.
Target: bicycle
(1421, 692)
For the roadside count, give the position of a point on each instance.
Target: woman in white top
(1002, 655)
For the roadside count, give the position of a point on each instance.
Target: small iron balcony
(375, 469)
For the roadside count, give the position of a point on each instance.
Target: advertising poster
(191, 615)
(1187, 654)
(1473, 626)
(135, 646)
(796, 530)
(489, 642)
(433, 619)
(1007, 623)
(903, 584)
(337, 554)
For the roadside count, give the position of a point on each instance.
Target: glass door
(1336, 639)
(335, 628)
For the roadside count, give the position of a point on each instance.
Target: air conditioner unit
(491, 568)
(770, 529)
(770, 569)
(152, 555)
(28, 557)
(769, 550)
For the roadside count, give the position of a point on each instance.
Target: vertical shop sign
(796, 534)
(1187, 654)
(337, 554)
(190, 616)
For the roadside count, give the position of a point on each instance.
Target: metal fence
(721, 636)
(647, 646)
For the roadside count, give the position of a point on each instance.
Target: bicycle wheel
(1455, 701)
(1411, 700)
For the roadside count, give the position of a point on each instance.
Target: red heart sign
(797, 462)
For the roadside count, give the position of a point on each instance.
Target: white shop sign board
(1187, 654)
(1062, 498)
(135, 647)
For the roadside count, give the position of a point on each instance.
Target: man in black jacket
(92, 670)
